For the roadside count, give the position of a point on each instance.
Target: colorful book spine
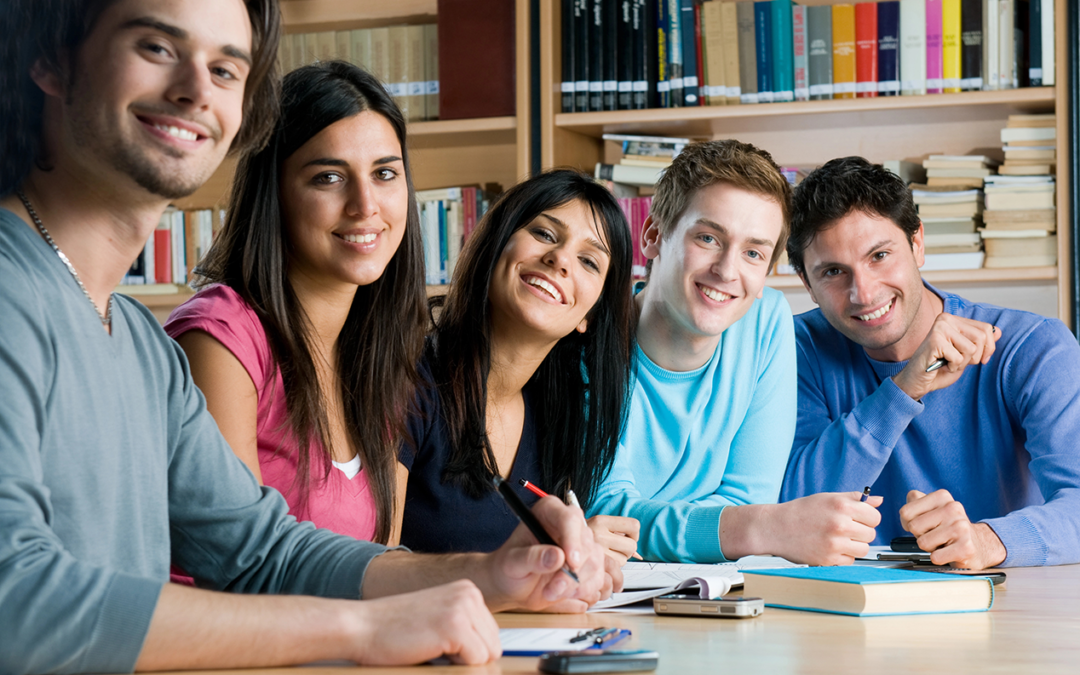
(866, 50)
(729, 21)
(763, 43)
(912, 47)
(819, 51)
(843, 34)
(950, 45)
(699, 50)
(689, 36)
(888, 48)
(783, 55)
(798, 33)
(971, 45)
(934, 74)
(747, 53)
(663, 59)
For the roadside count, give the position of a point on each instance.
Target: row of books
(636, 54)
(447, 218)
(179, 242)
(405, 58)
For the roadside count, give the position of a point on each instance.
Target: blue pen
(611, 637)
(865, 494)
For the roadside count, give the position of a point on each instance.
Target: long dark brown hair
(580, 390)
(383, 336)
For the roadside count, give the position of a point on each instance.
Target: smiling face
(864, 275)
(345, 202)
(157, 95)
(710, 268)
(550, 273)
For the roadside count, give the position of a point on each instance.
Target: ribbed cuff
(122, 624)
(703, 534)
(886, 413)
(1024, 546)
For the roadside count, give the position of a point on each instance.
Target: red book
(476, 58)
(700, 55)
(468, 212)
(866, 50)
(163, 256)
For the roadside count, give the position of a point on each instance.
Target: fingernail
(575, 558)
(550, 558)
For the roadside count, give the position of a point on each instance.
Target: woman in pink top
(309, 323)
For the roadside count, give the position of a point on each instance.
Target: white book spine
(1006, 44)
(991, 38)
(912, 47)
(1048, 51)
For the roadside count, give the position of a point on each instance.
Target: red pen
(532, 488)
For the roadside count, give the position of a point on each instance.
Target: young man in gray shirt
(110, 466)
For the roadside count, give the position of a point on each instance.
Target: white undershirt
(349, 468)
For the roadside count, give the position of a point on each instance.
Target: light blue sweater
(702, 440)
(1002, 439)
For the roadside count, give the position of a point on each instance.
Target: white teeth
(714, 294)
(177, 132)
(877, 314)
(540, 283)
(359, 238)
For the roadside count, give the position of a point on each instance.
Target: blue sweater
(702, 440)
(1002, 439)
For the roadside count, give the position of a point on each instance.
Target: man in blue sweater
(977, 458)
(712, 412)
(111, 468)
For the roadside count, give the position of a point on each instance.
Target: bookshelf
(808, 133)
(442, 152)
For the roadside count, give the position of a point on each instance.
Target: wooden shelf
(459, 133)
(953, 277)
(302, 16)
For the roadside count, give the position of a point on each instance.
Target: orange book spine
(843, 34)
(866, 50)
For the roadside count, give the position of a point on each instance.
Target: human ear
(582, 326)
(650, 238)
(917, 246)
(47, 79)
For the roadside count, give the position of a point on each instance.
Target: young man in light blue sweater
(712, 412)
(977, 458)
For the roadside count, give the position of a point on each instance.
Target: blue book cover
(783, 51)
(881, 592)
(689, 52)
(888, 26)
(763, 44)
(663, 57)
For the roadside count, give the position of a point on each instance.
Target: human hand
(942, 527)
(961, 342)
(831, 528)
(617, 534)
(526, 575)
(450, 620)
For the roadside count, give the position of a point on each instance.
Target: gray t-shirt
(110, 469)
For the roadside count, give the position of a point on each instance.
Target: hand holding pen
(952, 344)
(617, 534)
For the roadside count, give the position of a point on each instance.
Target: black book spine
(1022, 49)
(581, 49)
(645, 94)
(612, 54)
(569, 75)
(1035, 75)
(597, 54)
(971, 45)
(627, 51)
(663, 59)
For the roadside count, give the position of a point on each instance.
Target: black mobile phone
(905, 545)
(599, 661)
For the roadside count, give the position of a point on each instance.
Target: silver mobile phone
(727, 607)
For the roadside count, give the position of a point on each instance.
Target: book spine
(675, 52)
(866, 51)
(729, 21)
(843, 32)
(820, 57)
(343, 46)
(1022, 45)
(597, 54)
(1035, 43)
(191, 242)
(688, 37)
(783, 55)
(581, 58)
(747, 53)
(1006, 44)
(699, 52)
(763, 43)
(798, 36)
(643, 54)
(663, 60)
(566, 87)
(179, 264)
(888, 48)
(163, 255)
(971, 38)
(950, 45)
(715, 52)
(417, 75)
(360, 46)
(612, 55)
(934, 74)
(626, 55)
(991, 41)
(398, 76)
(912, 47)
(1047, 41)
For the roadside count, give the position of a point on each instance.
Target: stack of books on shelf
(1019, 221)
(169, 259)
(961, 171)
(642, 160)
(405, 58)
(950, 217)
(636, 54)
(1029, 145)
(447, 218)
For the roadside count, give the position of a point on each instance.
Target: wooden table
(1034, 627)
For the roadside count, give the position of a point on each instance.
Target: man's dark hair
(51, 31)
(839, 187)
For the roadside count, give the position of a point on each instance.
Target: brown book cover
(416, 80)
(431, 70)
(476, 59)
(398, 79)
(380, 55)
(1034, 219)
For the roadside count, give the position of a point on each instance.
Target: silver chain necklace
(106, 318)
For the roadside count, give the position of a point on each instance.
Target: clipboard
(540, 641)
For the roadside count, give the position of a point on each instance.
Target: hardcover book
(866, 51)
(912, 47)
(843, 34)
(934, 72)
(971, 45)
(783, 59)
(820, 51)
(747, 53)
(763, 42)
(888, 20)
(798, 34)
(566, 87)
(462, 93)
(991, 40)
(714, 48)
(950, 45)
(1035, 43)
(729, 14)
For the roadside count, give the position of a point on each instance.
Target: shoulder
(768, 322)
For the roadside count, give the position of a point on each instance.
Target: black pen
(865, 494)
(526, 516)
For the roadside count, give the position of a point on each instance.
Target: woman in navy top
(528, 368)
